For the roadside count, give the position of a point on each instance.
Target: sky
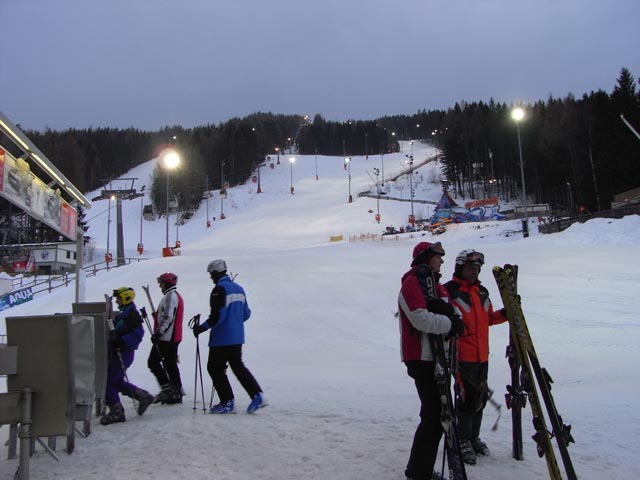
(323, 341)
(152, 63)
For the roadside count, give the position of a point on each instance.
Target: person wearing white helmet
(472, 299)
(229, 311)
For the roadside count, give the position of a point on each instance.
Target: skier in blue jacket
(229, 311)
(124, 339)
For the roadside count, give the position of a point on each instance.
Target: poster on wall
(21, 187)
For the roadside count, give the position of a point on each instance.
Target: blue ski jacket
(128, 331)
(229, 311)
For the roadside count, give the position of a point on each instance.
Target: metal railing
(564, 223)
(41, 283)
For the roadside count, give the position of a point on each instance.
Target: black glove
(198, 329)
(457, 326)
(440, 306)
(115, 340)
(155, 337)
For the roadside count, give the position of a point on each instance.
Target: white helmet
(217, 266)
(470, 256)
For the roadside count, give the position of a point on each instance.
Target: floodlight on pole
(170, 160)
(292, 160)
(517, 114)
(347, 162)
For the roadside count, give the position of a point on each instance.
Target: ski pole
(193, 323)
(143, 312)
(498, 408)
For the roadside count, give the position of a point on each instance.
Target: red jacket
(472, 299)
(416, 321)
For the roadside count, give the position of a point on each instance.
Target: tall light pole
(366, 147)
(223, 190)
(292, 160)
(492, 180)
(347, 162)
(518, 115)
(382, 167)
(412, 218)
(377, 172)
(140, 245)
(170, 160)
(107, 256)
(316, 163)
(278, 154)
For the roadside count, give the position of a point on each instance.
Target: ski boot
(115, 415)
(224, 408)
(468, 454)
(258, 401)
(480, 447)
(144, 399)
(164, 395)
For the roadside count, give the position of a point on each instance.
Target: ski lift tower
(119, 195)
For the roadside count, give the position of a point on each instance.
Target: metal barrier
(564, 223)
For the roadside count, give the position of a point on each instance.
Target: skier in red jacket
(472, 299)
(419, 317)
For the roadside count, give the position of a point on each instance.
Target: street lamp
(170, 160)
(316, 164)
(347, 162)
(278, 153)
(292, 160)
(140, 245)
(518, 115)
(377, 172)
(411, 217)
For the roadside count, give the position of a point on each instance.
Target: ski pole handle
(194, 321)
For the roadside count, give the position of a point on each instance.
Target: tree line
(576, 152)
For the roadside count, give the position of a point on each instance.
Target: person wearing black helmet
(472, 392)
(229, 311)
(167, 335)
(124, 339)
(423, 310)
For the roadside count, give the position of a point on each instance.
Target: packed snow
(324, 344)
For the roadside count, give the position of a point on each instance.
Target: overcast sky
(151, 63)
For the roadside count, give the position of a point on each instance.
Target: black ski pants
(166, 352)
(429, 432)
(472, 375)
(219, 357)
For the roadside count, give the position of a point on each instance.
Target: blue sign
(15, 298)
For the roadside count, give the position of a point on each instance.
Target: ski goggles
(434, 249)
(475, 257)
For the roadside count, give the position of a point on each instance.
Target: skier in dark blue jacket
(124, 339)
(229, 311)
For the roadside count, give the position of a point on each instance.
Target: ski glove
(457, 326)
(198, 329)
(155, 337)
(440, 306)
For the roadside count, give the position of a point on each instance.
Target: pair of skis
(442, 373)
(526, 372)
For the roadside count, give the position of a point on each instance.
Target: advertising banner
(15, 298)
(21, 187)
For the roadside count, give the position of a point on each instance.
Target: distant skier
(229, 311)
(472, 299)
(420, 317)
(167, 335)
(123, 341)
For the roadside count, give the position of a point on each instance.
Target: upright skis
(530, 374)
